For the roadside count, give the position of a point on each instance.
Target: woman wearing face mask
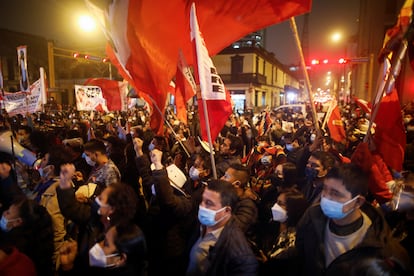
(116, 204)
(27, 226)
(289, 208)
(121, 251)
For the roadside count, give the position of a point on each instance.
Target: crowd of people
(108, 195)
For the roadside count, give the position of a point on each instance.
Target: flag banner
(389, 135)
(114, 92)
(334, 122)
(90, 98)
(22, 63)
(212, 88)
(144, 37)
(23, 102)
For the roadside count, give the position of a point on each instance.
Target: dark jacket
(85, 216)
(245, 214)
(232, 254)
(177, 212)
(310, 241)
(170, 218)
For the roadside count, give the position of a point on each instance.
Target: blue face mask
(333, 209)
(4, 224)
(151, 147)
(207, 217)
(289, 147)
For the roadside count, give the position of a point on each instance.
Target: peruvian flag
(212, 88)
(114, 92)
(334, 122)
(145, 36)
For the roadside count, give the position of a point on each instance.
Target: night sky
(55, 19)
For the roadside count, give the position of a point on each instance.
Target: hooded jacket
(311, 248)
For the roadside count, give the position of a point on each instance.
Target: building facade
(256, 79)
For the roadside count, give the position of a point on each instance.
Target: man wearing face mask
(319, 163)
(330, 235)
(198, 173)
(221, 247)
(104, 171)
(45, 193)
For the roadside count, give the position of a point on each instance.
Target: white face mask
(194, 173)
(266, 160)
(89, 160)
(100, 204)
(98, 258)
(278, 213)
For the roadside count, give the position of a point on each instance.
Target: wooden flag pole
(305, 73)
(203, 86)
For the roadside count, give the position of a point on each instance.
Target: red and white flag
(145, 36)
(114, 92)
(212, 89)
(334, 122)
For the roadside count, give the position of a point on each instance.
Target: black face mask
(311, 173)
(276, 181)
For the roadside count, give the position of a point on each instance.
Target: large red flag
(334, 123)
(389, 135)
(146, 35)
(212, 90)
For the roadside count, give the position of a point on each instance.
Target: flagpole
(169, 125)
(210, 143)
(387, 83)
(305, 72)
(203, 85)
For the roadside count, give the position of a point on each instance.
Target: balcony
(244, 78)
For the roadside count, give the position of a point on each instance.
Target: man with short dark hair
(104, 171)
(245, 210)
(221, 248)
(318, 165)
(331, 234)
(230, 153)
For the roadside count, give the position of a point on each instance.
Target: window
(237, 64)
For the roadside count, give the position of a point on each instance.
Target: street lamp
(86, 23)
(338, 38)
